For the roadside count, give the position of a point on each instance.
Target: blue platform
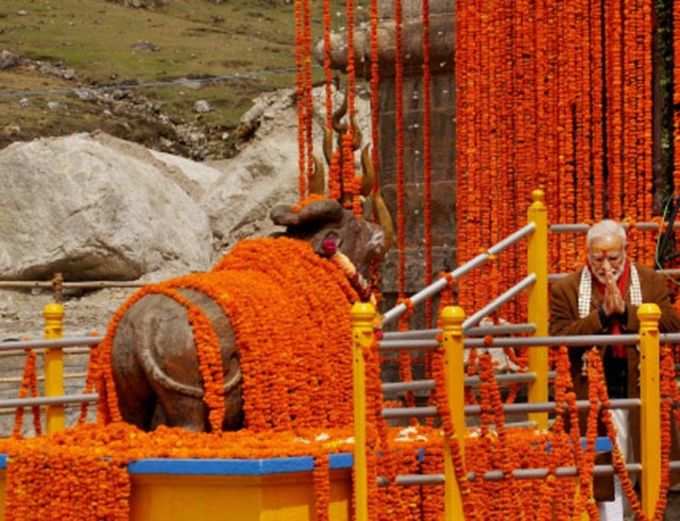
(253, 467)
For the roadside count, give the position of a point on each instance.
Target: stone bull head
(363, 242)
(154, 362)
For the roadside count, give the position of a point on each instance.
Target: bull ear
(283, 215)
(326, 210)
(383, 218)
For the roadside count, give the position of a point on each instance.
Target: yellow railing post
(363, 315)
(650, 406)
(538, 311)
(452, 318)
(54, 365)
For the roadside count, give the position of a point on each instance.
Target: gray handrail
(76, 341)
(49, 400)
(531, 341)
(569, 341)
(440, 284)
(582, 227)
(98, 284)
(474, 410)
(493, 330)
(469, 381)
(673, 272)
(532, 473)
(501, 299)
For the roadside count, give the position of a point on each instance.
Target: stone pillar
(442, 130)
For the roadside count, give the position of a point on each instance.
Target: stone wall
(442, 131)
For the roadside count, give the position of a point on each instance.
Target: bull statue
(153, 358)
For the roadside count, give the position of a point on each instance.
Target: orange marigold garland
(399, 116)
(322, 487)
(427, 157)
(375, 93)
(29, 386)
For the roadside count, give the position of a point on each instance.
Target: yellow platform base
(277, 497)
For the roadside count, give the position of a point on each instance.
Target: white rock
(74, 205)
(202, 106)
(265, 171)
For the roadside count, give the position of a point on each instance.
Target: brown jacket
(565, 320)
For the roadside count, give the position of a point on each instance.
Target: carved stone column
(442, 130)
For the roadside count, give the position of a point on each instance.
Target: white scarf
(585, 290)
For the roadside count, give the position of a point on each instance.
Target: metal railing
(53, 347)
(455, 336)
(437, 286)
(453, 344)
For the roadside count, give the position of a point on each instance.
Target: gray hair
(605, 228)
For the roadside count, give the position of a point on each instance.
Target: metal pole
(438, 285)
(57, 342)
(569, 341)
(533, 342)
(469, 381)
(54, 365)
(536, 407)
(49, 401)
(408, 344)
(414, 333)
(650, 408)
(670, 338)
(668, 272)
(505, 329)
(534, 473)
(538, 310)
(363, 315)
(508, 295)
(452, 319)
(582, 227)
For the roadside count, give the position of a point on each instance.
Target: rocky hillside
(175, 76)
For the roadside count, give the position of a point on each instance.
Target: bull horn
(317, 181)
(367, 172)
(382, 216)
(338, 115)
(328, 145)
(356, 134)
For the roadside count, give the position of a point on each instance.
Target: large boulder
(265, 171)
(76, 206)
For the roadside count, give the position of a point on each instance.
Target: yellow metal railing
(650, 406)
(452, 318)
(54, 366)
(363, 316)
(538, 312)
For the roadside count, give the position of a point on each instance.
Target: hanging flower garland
(375, 94)
(301, 97)
(427, 157)
(29, 387)
(327, 69)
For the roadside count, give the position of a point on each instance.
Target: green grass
(96, 37)
(195, 38)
